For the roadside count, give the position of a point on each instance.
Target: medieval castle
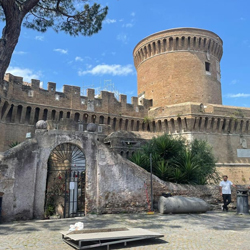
(179, 92)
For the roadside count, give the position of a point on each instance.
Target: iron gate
(65, 190)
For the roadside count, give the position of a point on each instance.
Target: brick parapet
(17, 92)
(179, 39)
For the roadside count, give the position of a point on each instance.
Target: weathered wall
(17, 180)
(113, 184)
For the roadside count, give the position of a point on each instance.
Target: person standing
(225, 191)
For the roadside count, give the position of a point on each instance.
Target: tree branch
(28, 5)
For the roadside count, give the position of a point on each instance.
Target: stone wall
(113, 184)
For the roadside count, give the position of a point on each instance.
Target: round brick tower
(179, 65)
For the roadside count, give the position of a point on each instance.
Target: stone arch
(9, 114)
(159, 126)
(194, 43)
(137, 128)
(101, 119)
(120, 124)
(177, 43)
(164, 44)
(154, 48)
(77, 117)
(114, 124)
(108, 121)
(27, 114)
(19, 113)
(166, 126)
(65, 182)
(153, 126)
(126, 125)
(172, 125)
(85, 118)
(45, 114)
(159, 46)
(170, 43)
(143, 126)
(36, 117)
(132, 125)
(93, 118)
(4, 108)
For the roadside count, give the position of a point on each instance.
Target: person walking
(225, 191)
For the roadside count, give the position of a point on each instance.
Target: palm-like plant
(174, 160)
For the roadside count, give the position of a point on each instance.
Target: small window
(82, 101)
(99, 129)
(207, 66)
(57, 97)
(52, 89)
(30, 93)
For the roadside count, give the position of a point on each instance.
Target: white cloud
(132, 14)
(128, 25)
(78, 58)
(62, 51)
(104, 69)
(26, 73)
(237, 95)
(40, 38)
(235, 81)
(20, 52)
(109, 21)
(122, 37)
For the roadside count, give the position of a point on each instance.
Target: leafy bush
(176, 161)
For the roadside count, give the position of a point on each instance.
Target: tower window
(207, 66)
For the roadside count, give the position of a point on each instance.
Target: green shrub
(173, 159)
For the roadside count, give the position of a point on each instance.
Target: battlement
(70, 98)
(180, 39)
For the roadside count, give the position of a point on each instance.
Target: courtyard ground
(213, 230)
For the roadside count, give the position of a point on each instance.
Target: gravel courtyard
(213, 230)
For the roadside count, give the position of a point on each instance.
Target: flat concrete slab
(85, 239)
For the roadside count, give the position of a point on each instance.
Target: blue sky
(105, 61)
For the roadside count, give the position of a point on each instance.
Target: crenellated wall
(23, 104)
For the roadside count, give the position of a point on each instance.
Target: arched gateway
(65, 185)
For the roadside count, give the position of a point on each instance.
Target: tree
(177, 161)
(40, 15)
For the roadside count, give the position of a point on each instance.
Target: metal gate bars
(65, 190)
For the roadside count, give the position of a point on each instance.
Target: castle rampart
(23, 104)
